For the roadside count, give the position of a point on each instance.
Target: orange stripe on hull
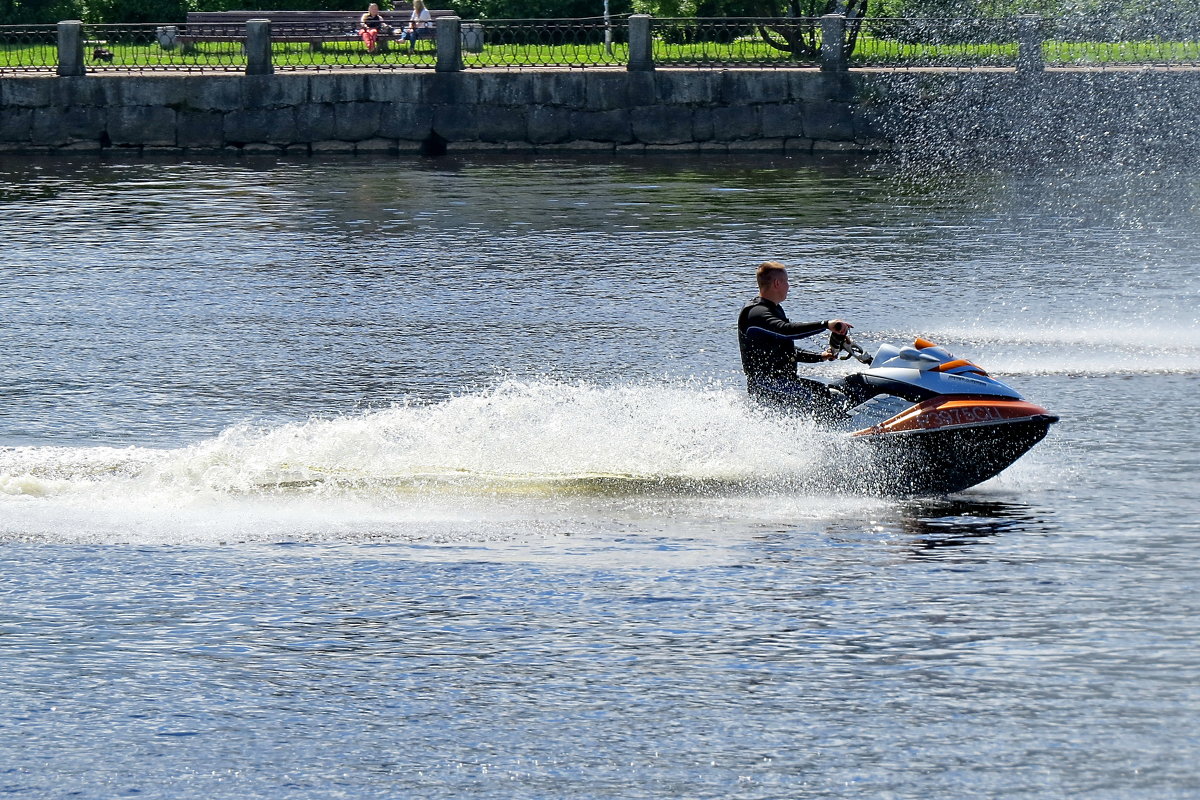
(955, 412)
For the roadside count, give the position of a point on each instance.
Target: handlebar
(844, 348)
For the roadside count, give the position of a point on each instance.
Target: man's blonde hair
(767, 272)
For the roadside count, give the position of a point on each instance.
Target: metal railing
(155, 48)
(28, 48)
(737, 42)
(349, 53)
(1088, 42)
(637, 42)
(946, 43)
(518, 43)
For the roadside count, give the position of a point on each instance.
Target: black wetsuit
(767, 339)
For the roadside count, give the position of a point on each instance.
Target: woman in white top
(419, 19)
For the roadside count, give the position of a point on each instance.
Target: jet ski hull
(949, 444)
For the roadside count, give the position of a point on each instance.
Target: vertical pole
(1029, 44)
(641, 46)
(449, 45)
(70, 49)
(258, 47)
(833, 43)
(607, 30)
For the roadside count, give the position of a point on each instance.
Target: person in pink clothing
(371, 24)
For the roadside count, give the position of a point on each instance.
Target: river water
(375, 479)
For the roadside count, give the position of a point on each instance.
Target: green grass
(1121, 52)
(748, 50)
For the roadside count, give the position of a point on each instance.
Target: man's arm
(762, 316)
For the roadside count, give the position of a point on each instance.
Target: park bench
(312, 27)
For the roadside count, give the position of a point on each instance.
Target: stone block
(146, 90)
(505, 88)
(375, 146)
(481, 147)
(688, 87)
(214, 93)
(560, 90)
(828, 121)
(682, 147)
(606, 91)
(399, 86)
(16, 124)
(577, 146)
(354, 122)
(407, 121)
(756, 146)
(732, 123)
(27, 92)
(275, 91)
(338, 87)
(273, 125)
(867, 123)
(814, 85)
(702, 124)
(456, 123)
(78, 91)
(49, 128)
(547, 124)
(804, 85)
(283, 126)
(641, 89)
(262, 149)
(452, 88)
(875, 146)
(827, 146)
(70, 123)
(502, 124)
(798, 145)
(314, 122)
(25, 149)
(662, 124)
(135, 126)
(333, 147)
(201, 130)
(782, 120)
(602, 126)
(746, 87)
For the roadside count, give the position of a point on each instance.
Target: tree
(804, 40)
(38, 12)
(800, 39)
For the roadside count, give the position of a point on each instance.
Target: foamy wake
(536, 455)
(1057, 349)
(523, 458)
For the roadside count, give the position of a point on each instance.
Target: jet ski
(932, 423)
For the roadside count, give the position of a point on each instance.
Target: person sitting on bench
(371, 25)
(420, 19)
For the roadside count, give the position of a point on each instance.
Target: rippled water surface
(365, 478)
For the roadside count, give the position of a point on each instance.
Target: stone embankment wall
(784, 111)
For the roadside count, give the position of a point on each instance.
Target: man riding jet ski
(930, 423)
(769, 356)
